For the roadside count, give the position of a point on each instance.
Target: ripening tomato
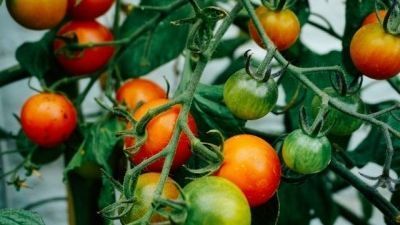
(88, 60)
(253, 165)
(134, 91)
(159, 132)
(375, 53)
(215, 201)
(144, 192)
(37, 14)
(305, 154)
(373, 17)
(48, 119)
(88, 9)
(282, 27)
(248, 98)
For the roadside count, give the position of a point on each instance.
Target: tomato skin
(343, 124)
(248, 98)
(48, 119)
(375, 53)
(305, 154)
(89, 60)
(159, 132)
(134, 91)
(282, 27)
(253, 165)
(37, 14)
(88, 9)
(371, 18)
(144, 192)
(216, 201)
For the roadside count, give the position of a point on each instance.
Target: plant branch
(12, 74)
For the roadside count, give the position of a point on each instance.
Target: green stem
(117, 18)
(350, 216)
(12, 74)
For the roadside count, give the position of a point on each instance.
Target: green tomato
(305, 154)
(341, 124)
(216, 201)
(248, 98)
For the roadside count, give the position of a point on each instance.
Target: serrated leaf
(19, 217)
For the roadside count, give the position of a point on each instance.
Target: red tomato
(372, 17)
(134, 91)
(88, 9)
(48, 119)
(253, 165)
(375, 53)
(159, 132)
(88, 60)
(37, 14)
(282, 27)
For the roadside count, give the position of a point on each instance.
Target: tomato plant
(339, 123)
(37, 15)
(48, 119)
(282, 27)
(248, 98)
(305, 154)
(88, 60)
(373, 17)
(88, 9)
(159, 131)
(375, 52)
(135, 91)
(215, 200)
(253, 165)
(144, 192)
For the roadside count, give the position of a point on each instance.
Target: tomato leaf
(266, 214)
(36, 57)
(226, 48)
(19, 217)
(159, 46)
(210, 112)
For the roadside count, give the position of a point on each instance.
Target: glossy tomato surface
(144, 192)
(282, 27)
(375, 53)
(37, 14)
(48, 119)
(305, 154)
(216, 201)
(88, 9)
(373, 17)
(159, 132)
(88, 60)
(248, 98)
(134, 91)
(253, 165)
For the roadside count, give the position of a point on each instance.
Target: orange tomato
(282, 27)
(372, 17)
(253, 165)
(48, 119)
(134, 91)
(159, 132)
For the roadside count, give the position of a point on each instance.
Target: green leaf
(19, 217)
(226, 48)
(5, 134)
(266, 214)
(36, 57)
(210, 112)
(159, 46)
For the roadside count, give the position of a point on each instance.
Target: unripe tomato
(372, 17)
(37, 14)
(88, 60)
(159, 132)
(282, 27)
(48, 119)
(144, 193)
(341, 124)
(375, 53)
(248, 98)
(134, 91)
(215, 201)
(305, 154)
(88, 9)
(253, 165)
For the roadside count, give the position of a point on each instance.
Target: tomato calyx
(278, 5)
(263, 72)
(341, 85)
(317, 129)
(175, 210)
